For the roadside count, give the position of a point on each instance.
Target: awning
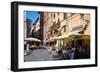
(74, 35)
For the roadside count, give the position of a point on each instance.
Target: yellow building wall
(87, 32)
(87, 17)
(71, 22)
(75, 21)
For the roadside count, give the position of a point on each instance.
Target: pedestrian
(54, 53)
(50, 49)
(71, 51)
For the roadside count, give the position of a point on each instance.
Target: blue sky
(32, 15)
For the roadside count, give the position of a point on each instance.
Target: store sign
(80, 27)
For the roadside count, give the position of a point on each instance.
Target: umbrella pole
(27, 47)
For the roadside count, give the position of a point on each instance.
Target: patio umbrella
(69, 35)
(32, 39)
(65, 37)
(78, 36)
(54, 38)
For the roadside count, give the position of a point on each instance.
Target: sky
(32, 15)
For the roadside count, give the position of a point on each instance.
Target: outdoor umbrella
(54, 38)
(78, 36)
(32, 39)
(69, 35)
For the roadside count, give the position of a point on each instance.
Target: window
(68, 14)
(54, 14)
(58, 21)
(58, 13)
(64, 15)
(64, 28)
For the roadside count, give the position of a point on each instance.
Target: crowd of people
(70, 51)
(30, 46)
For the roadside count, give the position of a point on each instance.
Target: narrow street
(38, 55)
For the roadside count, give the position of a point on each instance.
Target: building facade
(27, 28)
(37, 28)
(58, 24)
